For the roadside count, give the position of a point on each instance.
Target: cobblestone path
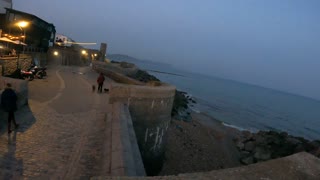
(62, 133)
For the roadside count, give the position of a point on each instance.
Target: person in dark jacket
(100, 81)
(9, 104)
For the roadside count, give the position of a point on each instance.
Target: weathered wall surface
(150, 108)
(24, 61)
(20, 86)
(118, 77)
(67, 57)
(10, 64)
(126, 158)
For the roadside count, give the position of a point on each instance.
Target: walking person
(9, 104)
(100, 81)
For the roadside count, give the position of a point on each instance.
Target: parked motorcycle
(28, 75)
(38, 72)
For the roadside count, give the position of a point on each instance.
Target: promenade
(62, 133)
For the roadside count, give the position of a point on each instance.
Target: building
(38, 34)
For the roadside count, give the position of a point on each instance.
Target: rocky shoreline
(266, 145)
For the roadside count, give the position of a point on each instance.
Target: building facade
(38, 34)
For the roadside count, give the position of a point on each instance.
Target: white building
(5, 4)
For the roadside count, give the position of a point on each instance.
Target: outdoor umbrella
(6, 40)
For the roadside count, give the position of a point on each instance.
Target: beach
(203, 144)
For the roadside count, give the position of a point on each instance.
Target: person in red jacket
(100, 81)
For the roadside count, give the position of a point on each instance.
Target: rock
(262, 154)
(315, 144)
(293, 141)
(244, 154)
(260, 139)
(284, 134)
(247, 135)
(247, 161)
(240, 145)
(316, 152)
(299, 148)
(249, 146)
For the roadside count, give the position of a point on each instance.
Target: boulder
(247, 135)
(240, 145)
(244, 154)
(262, 154)
(249, 146)
(247, 160)
(293, 141)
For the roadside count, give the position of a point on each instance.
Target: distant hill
(126, 58)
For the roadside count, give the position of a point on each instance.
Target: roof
(31, 16)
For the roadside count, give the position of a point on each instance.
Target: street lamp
(23, 25)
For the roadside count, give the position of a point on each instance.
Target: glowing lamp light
(23, 24)
(84, 52)
(56, 53)
(95, 55)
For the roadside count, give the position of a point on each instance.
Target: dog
(93, 88)
(106, 90)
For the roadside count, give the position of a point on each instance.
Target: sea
(244, 106)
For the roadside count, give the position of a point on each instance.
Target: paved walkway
(62, 133)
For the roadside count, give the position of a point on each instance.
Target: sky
(270, 43)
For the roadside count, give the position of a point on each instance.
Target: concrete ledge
(20, 86)
(126, 159)
(295, 167)
(114, 75)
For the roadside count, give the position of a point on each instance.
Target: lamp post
(23, 25)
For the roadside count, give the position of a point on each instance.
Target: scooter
(38, 72)
(27, 75)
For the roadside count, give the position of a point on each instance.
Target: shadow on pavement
(11, 167)
(23, 116)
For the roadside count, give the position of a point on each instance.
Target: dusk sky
(271, 43)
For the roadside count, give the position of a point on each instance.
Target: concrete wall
(108, 70)
(126, 159)
(65, 56)
(150, 108)
(20, 86)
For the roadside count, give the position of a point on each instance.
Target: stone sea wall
(150, 106)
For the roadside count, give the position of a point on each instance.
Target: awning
(19, 42)
(6, 40)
